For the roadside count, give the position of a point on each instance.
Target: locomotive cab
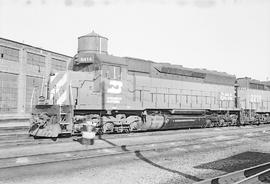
(104, 94)
(104, 91)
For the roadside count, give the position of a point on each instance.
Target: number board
(86, 59)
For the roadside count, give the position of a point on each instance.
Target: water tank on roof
(93, 43)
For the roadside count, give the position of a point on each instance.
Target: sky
(231, 36)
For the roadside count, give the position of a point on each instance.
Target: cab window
(111, 72)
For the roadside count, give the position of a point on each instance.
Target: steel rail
(178, 140)
(30, 141)
(259, 178)
(241, 176)
(116, 150)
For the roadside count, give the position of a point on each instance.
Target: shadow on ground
(237, 162)
(146, 160)
(190, 177)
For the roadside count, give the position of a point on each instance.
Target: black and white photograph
(134, 91)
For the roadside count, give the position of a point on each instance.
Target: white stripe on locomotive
(59, 88)
(62, 98)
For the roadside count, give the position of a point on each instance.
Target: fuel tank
(153, 122)
(161, 121)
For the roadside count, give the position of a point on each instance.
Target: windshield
(86, 67)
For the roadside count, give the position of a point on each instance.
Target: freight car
(123, 94)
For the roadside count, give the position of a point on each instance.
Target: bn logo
(115, 87)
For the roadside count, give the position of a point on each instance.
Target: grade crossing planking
(242, 176)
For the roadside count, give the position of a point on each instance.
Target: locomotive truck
(124, 94)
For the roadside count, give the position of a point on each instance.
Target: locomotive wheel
(234, 122)
(99, 131)
(133, 126)
(257, 122)
(209, 123)
(221, 123)
(229, 123)
(108, 127)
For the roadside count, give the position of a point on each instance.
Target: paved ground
(178, 165)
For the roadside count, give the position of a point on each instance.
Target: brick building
(24, 70)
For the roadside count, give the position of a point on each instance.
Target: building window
(58, 64)
(8, 93)
(9, 53)
(35, 59)
(33, 91)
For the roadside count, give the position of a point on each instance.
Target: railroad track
(260, 178)
(253, 175)
(23, 139)
(65, 156)
(12, 130)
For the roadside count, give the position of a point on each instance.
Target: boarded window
(58, 64)
(35, 59)
(33, 90)
(256, 86)
(8, 53)
(8, 93)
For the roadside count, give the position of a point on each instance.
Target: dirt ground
(177, 165)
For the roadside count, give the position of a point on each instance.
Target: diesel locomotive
(124, 94)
